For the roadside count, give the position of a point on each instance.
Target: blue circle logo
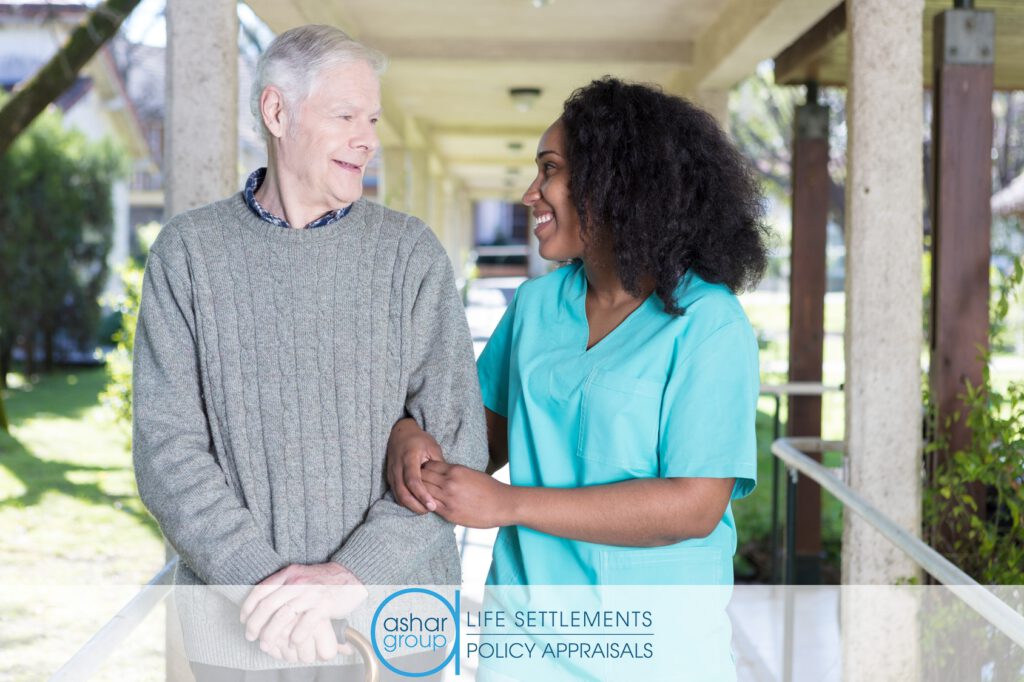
(412, 633)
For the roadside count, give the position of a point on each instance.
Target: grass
(76, 542)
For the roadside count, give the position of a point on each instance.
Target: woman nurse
(620, 388)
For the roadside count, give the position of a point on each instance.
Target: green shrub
(117, 395)
(987, 543)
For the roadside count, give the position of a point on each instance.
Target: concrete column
(883, 323)
(200, 150)
(716, 103)
(201, 144)
(393, 190)
(418, 192)
(464, 240)
(436, 211)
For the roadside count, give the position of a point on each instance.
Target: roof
(825, 59)
(452, 63)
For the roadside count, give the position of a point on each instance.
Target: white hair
(298, 56)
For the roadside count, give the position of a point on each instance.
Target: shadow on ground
(42, 476)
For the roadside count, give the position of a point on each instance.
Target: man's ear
(274, 110)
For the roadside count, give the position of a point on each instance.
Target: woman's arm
(635, 513)
(410, 447)
(497, 440)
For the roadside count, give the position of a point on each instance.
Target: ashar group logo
(412, 628)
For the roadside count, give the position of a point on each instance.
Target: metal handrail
(87, 660)
(777, 391)
(985, 603)
(93, 653)
(799, 388)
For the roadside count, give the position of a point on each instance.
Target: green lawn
(76, 541)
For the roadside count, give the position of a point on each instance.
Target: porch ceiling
(452, 62)
(829, 65)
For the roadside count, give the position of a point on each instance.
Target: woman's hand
(409, 448)
(468, 497)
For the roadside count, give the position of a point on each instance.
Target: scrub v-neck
(580, 301)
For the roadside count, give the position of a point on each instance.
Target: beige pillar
(201, 154)
(462, 210)
(200, 151)
(394, 188)
(883, 326)
(716, 103)
(417, 197)
(436, 210)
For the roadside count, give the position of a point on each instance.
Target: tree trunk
(60, 72)
(4, 426)
(6, 347)
(30, 353)
(5, 366)
(48, 350)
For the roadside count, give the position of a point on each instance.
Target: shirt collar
(253, 184)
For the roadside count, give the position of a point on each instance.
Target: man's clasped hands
(290, 612)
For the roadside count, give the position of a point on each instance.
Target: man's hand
(409, 448)
(291, 611)
(468, 497)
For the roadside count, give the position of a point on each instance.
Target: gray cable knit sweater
(270, 366)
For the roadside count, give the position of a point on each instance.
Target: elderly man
(283, 331)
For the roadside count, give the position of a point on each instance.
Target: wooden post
(961, 214)
(807, 311)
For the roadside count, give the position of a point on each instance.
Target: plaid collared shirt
(253, 184)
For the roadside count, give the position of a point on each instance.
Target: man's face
(331, 135)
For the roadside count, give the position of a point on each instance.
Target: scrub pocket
(619, 422)
(672, 565)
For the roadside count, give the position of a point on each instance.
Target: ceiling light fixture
(541, 3)
(524, 98)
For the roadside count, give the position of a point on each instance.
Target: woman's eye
(548, 168)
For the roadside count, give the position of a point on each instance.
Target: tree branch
(60, 72)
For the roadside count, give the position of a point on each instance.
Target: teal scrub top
(660, 396)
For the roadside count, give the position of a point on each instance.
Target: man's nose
(366, 138)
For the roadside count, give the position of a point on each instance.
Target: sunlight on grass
(76, 541)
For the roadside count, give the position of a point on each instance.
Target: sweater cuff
(371, 559)
(248, 566)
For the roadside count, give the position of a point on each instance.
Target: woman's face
(558, 224)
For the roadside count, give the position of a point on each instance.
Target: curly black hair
(659, 176)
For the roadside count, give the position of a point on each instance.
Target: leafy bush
(55, 232)
(117, 395)
(987, 543)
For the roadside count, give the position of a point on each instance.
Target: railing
(88, 660)
(91, 656)
(776, 391)
(790, 451)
